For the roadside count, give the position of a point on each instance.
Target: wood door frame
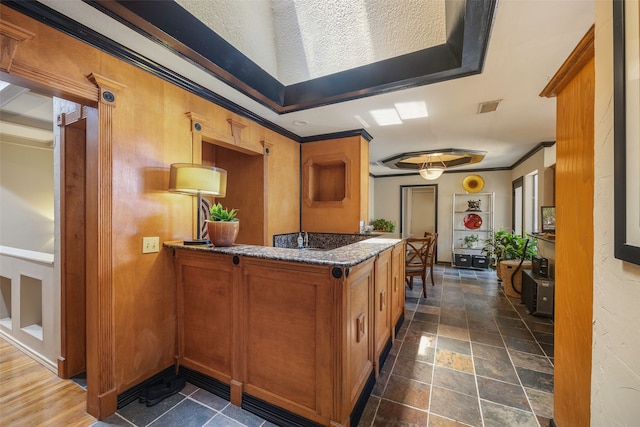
(100, 91)
(73, 193)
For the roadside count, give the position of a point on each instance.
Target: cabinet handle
(383, 299)
(360, 327)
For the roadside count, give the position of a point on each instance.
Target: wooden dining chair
(417, 259)
(432, 253)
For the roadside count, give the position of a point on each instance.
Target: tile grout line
(511, 358)
(473, 362)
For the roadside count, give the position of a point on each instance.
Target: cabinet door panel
(206, 326)
(382, 307)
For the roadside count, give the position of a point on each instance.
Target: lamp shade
(431, 173)
(191, 178)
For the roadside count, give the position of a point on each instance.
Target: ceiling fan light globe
(431, 173)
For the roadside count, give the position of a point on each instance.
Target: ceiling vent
(489, 106)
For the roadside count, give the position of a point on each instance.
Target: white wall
(615, 375)
(387, 201)
(26, 197)
(539, 162)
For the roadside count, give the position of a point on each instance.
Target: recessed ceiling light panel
(412, 110)
(386, 117)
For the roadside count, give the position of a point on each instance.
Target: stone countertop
(345, 256)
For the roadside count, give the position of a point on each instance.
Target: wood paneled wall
(339, 210)
(574, 87)
(149, 130)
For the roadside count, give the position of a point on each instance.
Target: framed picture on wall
(626, 132)
(548, 215)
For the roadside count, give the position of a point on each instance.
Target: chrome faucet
(306, 239)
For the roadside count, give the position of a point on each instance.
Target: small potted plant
(382, 225)
(471, 241)
(222, 226)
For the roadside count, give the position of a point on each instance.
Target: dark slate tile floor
(467, 355)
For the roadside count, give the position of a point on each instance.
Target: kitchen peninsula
(296, 336)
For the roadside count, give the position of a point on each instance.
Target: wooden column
(573, 85)
(101, 384)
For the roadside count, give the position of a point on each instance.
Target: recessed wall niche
(31, 306)
(326, 180)
(5, 302)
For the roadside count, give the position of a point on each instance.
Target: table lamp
(193, 179)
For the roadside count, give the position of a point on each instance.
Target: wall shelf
(469, 221)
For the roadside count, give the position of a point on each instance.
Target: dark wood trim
(530, 153)
(274, 414)
(205, 382)
(337, 135)
(468, 28)
(399, 324)
(521, 160)
(358, 409)
(68, 26)
(467, 171)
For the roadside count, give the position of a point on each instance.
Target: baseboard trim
(399, 323)
(385, 352)
(274, 414)
(269, 411)
(133, 393)
(38, 357)
(358, 408)
(205, 382)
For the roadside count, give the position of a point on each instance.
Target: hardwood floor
(31, 395)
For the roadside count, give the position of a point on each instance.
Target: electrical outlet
(150, 245)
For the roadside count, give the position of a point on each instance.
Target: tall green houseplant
(504, 245)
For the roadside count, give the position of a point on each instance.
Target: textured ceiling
(298, 40)
(529, 41)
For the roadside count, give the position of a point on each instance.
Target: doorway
(57, 127)
(419, 210)
(71, 136)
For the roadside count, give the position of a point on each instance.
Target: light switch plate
(150, 245)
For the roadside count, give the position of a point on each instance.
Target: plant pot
(506, 269)
(223, 233)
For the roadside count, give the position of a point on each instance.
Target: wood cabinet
(283, 335)
(398, 286)
(335, 185)
(382, 306)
